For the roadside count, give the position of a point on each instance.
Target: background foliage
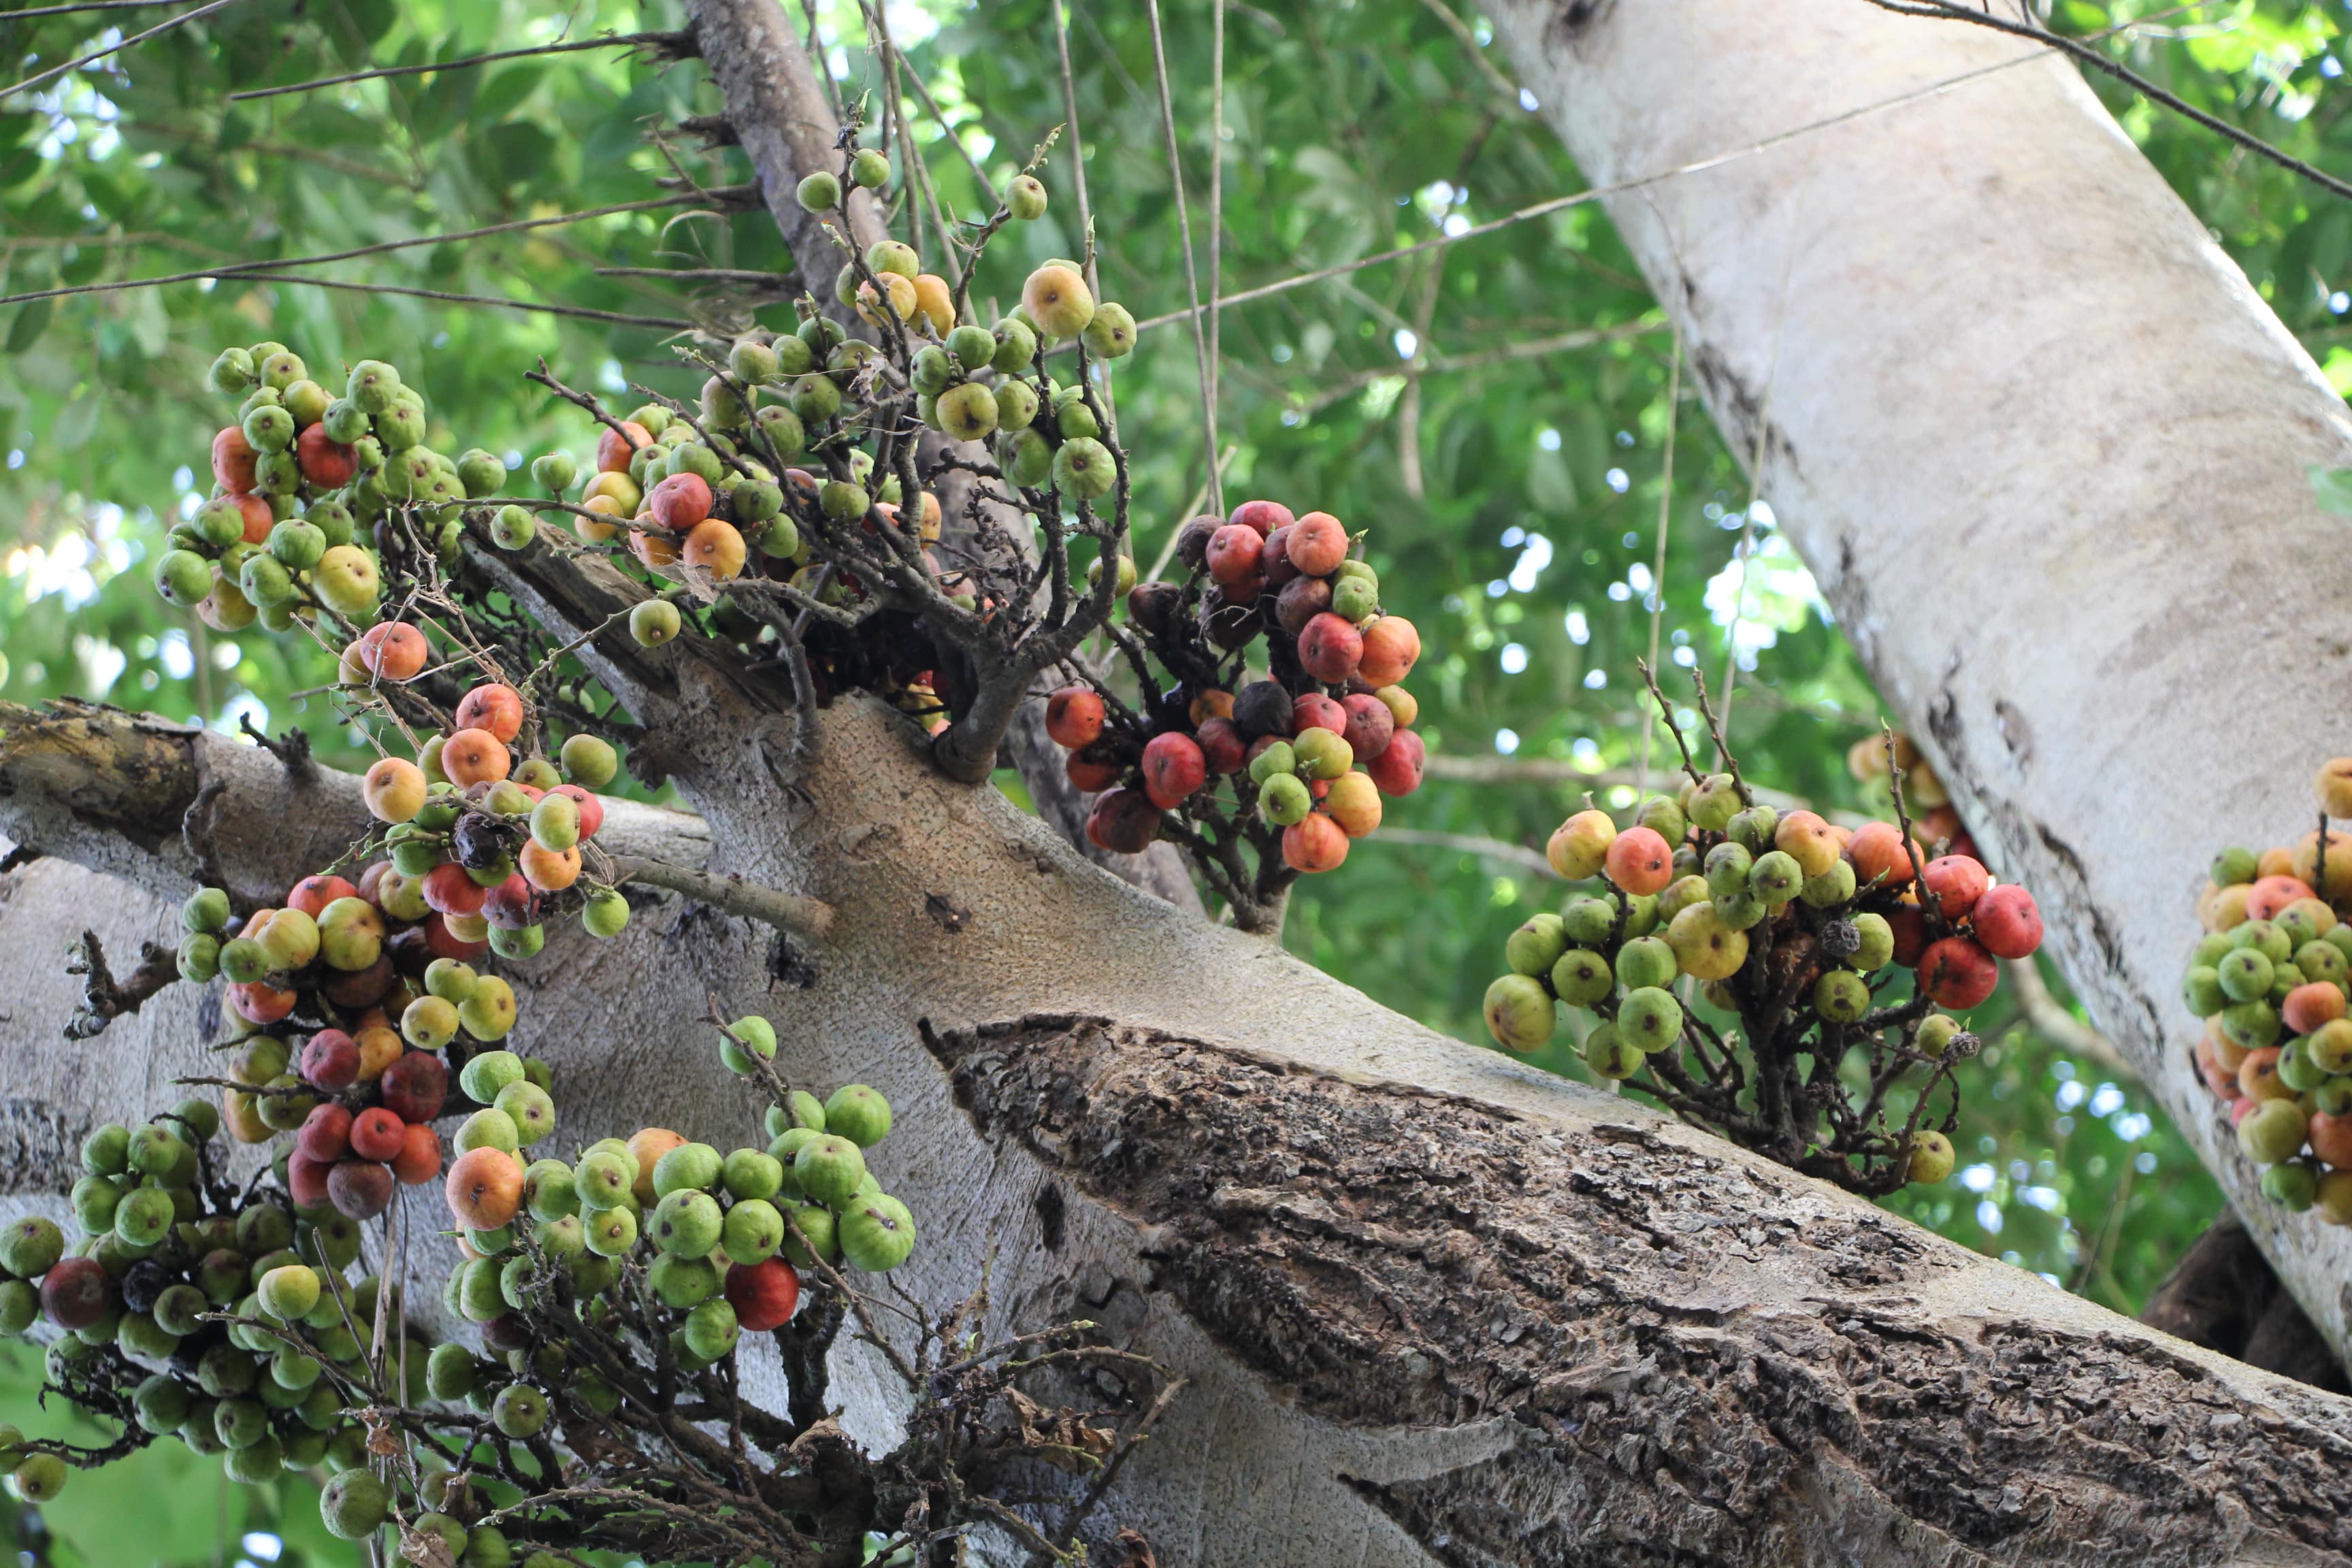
(1495, 413)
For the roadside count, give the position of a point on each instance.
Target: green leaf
(505, 91)
(27, 329)
(2333, 486)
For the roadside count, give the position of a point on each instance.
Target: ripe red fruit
(1264, 516)
(1330, 650)
(763, 1294)
(306, 1180)
(1880, 854)
(414, 1087)
(1234, 552)
(259, 518)
(1091, 773)
(1277, 559)
(1318, 543)
(2269, 895)
(1124, 821)
(1910, 928)
(1372, 725)
(1639, 861)
(1314, 843)
(259, 1003)
(1397, 770)
(313, 894)
(325, 1134)
(1074, 717)
(360, 1189)
(1301, 600)
(359, 988)
(324, 461)
(73, 1292)
(679, 502)
(508, 905)
(1174, 766)
(1313, 710)
(613, 448)
(377, 1133)
(440, 942)
(330, 1059)
(2007, 922)
(493, 707)
(419, 1160)
(1955, 882)
(393, 650)
(446, 889)
(592, 807)
(1391, 647)
(1221, 745)
(233, 460)
(1957, 974)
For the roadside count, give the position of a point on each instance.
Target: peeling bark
(2040, 442)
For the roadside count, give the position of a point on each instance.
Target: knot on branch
(104, 998)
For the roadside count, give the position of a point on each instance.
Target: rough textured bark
(2040, 442)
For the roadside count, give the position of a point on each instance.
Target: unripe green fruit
(1647, 962)
(682, 1281)
(107, 1151)
(144, 1216)
(232, 372)
(532, 1110)
(746, 1039)
(1714, 802)
(183, 577)
(857, 1114)
(753, 1230)
(1582, 977)
(820, 1230)
(1831, 888)
(815, 399)
(269, 428)
(282, 369)
(481, 473)
(611, 1232)
(1017, 347)
(1753, 827)
(1028, 459)
(819, 192)
(1877, 949)
(1610, 1054)
(1590, 921)
(1650, 1018)
(843, 501)
(1024, 198)
(1519, 1011)
(554, 471)
(1110, 332)
(754, 501)
(512, 528)
(1083, 471)
(1840, 996)
(2244, 975)
(606, 913)
(206, 909)
(1728, 868)
(829, 1168)
(654, 623)
(753, 361)
(489, 1128)
(20, 1303)
(869, 169)
(876, 1232)
(783, 427)
(1284, 799)
(893, 256)
(1776, 878)
(2291, 1186)
(1072, 418)
(2265, 938)
(345, 421)
(1535, 946)
(931, 370)
(1322, 754)
(2253, 1025)
(1355, 600)
(722, 407)
(520, 1410)
(974, 348)
(400, 428)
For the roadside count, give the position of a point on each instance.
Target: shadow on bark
(2223, 1295)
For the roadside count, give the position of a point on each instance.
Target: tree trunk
(1432, 1306)
(2040, 442)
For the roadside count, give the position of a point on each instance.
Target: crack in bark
(1706, 1361)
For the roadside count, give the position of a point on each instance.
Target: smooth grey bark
(2039, 440)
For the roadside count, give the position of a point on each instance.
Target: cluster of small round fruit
(296, 480)
(2269, 978)
(1875, 760)
(1311, 746)
(191, 1305)
(483, 849)
(1786, 920)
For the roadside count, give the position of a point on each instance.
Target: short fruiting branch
(809, 919)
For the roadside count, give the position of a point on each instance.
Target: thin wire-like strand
(1658, 555)
(582, 313)
(569, 46)
(1746, 553)
(165, 27)
(237, 268)
(1216, 233)
(1077, 150)
(1191, 280)
(85, 5)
